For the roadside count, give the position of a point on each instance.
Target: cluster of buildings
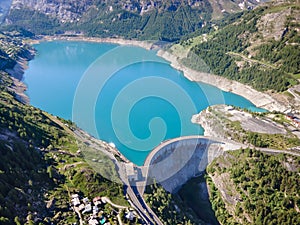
(91, 212)
(294, 119)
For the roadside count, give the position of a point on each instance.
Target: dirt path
(252, 60)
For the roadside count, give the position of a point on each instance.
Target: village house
(130, 216)
(75, 200)
(97, 201)
(294, 119)
(93, 221)
(87, 209)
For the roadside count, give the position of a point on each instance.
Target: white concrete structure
(131, 172)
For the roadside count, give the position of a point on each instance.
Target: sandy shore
(259, 99)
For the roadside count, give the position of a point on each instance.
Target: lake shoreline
(120, 41)
(16, 73)
(259, 99)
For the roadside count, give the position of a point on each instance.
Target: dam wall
(173, 163)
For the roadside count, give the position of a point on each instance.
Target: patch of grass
(288, 94)
(293, 82)
(280, 118)
(296, 76)
(279, 8)
(101, 163)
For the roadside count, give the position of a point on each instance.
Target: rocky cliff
(73, 10)
(4, 8)
(145, 19)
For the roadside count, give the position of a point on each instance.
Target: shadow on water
(195, 195)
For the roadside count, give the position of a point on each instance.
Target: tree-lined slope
(42, 162)
(151, 20)
(261, 48)
(251, 187)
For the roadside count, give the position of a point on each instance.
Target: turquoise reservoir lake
(121, 94)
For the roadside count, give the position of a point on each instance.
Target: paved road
(149, 211)
(138, 202)
(119, 219)
(226, 142)
(79, 215)
(143, 208)
(138, 206)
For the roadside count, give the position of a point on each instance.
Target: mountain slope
(4, 8)
(155, 19)
(261, 48)
(42, 161)
(251, 187)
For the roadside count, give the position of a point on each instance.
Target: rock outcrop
(74, 10)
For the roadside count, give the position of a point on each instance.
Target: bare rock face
(74, 10)
(65, 11)
(272, 25)
(4, 8)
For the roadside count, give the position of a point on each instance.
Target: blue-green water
(125, 95)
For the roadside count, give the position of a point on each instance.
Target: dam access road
(171, 163)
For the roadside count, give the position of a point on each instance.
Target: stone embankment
(143, 44)
(17, 73)
(259, 99)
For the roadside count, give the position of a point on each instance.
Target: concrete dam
(175, 161)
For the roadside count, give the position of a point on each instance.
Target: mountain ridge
(142, 19)
(260, 48)
(73, 10)
(36, 147)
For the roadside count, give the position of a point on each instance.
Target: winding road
(137, 200)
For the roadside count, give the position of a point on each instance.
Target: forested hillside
(261, 48)
(169, 207)
(11, 49)
(42, 163)
(151, 20)
(251, 187)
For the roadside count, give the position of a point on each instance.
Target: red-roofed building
(97, 201)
